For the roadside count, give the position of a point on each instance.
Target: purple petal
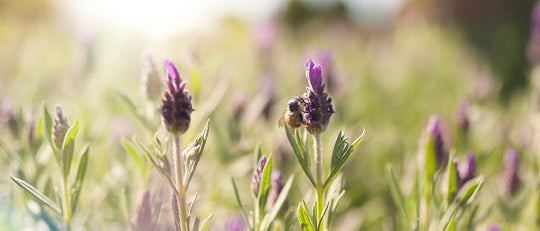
(314, 75)
(172, 73)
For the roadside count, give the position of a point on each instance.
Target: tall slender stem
(179, 177)
(66, 204)
(319, 168)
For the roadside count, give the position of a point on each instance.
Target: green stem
(179, 177)
(66, 204)
(319, 168)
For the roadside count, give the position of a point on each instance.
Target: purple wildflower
(467, 173)
(257, 175)
(318, 106)
(493, 228)
(176, 109)
(9, 117)
(60, 127)
(511, 178)
(143, 218)
(435, 134)
(234, 223)
(460, 116)
(276, 185)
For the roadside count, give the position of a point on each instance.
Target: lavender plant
(268, 192)
(434, 205)
(176, 116)
(313, 110)
(61, 137)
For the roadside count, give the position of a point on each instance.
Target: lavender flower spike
(435, 134)
(257, 175)
(60, 127)
(176, 109)
(317, 105)
(511, 179)
(468, 172)
(314, 76)
(276, 185)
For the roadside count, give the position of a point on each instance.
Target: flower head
(435, 134)
(176, 109)
(511, 178)
(318, 106)
(257, 175)
(59, 127)
(467, 173)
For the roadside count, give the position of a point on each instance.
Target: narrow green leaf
(47, 131)
(79, 179)
(397, 195)
(340, 156)
(244, 212)
(196, 224)
(303, 218)
(452, 181)
(269, 219)
(430, 166)
(299, 156)
(452, 225)
(37, 195)
(68, 147)
(133, 153)
(265, 184)
(206, 223)
(468, 192)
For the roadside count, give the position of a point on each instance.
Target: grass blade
(37, 195)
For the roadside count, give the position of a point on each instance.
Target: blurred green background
(390, 65)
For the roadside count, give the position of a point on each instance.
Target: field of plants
(308, 120)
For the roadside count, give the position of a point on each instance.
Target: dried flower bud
(234, 223)
(511, 178)
(176, 109)
(276, 185)
(257, 175)
(10, 119)
(318, 106)
(461, 116)
(467, 172)
(150, 81)
(143, 218)
(434, 132)
(59, 127)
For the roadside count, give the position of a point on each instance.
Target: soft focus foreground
(448, 98)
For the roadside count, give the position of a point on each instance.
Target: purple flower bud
(468, 172)
(493, 228)
(143, 218)
(176, 109)
(60, 127)
(460, 116)
(9, 117)
(314, 76)
(511, 178)
(317, 105)
(257, 175)
(276, 185)
(435, 134)
(234, 223)
(455, 162)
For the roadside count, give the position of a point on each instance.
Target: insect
(292, 116)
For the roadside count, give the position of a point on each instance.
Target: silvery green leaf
(300, 156)
(397, 195)
(452, 181)
(47, 130)
(341, 153)
(44, 200)
(244, 212)
(201, 141)
(303, 218)
(206, 223)
(265, 184)
(269, 219)
(68, 148)
(133, 153)
(79, 178)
